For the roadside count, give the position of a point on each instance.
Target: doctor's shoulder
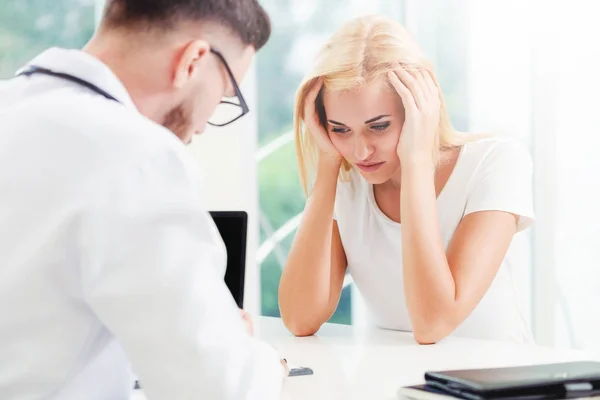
(126, 130)
(121, 139)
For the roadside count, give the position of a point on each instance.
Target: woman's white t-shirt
(490, 174)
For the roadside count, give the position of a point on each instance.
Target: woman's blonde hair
(362, 51)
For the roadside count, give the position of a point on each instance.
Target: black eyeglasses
(229, 111)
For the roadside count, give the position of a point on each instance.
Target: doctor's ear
(191, 61)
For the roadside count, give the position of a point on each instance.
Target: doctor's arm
(154, 277)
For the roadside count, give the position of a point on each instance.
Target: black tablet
(565, 380)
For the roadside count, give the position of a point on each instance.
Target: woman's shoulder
(501, 178)
(496, 152)
(487, 144)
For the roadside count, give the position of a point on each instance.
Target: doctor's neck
(142, 65)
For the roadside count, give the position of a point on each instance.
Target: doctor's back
(109, 261)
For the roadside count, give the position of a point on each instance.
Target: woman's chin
(374, 178)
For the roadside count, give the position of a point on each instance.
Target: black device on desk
(233, 227)
(534, 382)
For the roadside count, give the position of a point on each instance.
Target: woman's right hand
(319, 133)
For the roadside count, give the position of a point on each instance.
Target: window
(28, 27)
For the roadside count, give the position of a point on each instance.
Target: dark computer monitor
(233, 227)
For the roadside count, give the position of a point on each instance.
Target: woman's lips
(370, 167)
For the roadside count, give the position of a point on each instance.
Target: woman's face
(364, 125)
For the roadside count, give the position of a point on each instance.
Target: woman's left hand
(421, 101)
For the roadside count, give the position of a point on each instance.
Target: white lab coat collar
(83, 66)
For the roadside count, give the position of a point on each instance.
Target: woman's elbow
(302, 331)
(300, 328)
(425, 338)
(297, 323)
(297, 320)
(430, 332)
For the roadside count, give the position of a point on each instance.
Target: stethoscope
(32, 70)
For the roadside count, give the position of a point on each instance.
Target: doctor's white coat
(108, 257)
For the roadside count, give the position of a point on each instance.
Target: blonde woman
(421, 216)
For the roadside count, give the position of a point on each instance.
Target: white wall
(533, 74)
(226, 156)
(499, 65)
(544, 38)
(510, 93)
(577, 56)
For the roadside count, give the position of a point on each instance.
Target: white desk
(374, 363)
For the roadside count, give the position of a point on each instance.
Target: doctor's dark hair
(246, 19)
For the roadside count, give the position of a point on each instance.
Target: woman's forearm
(304, 290)
(428, 283)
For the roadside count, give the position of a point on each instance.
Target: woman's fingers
(311, 97)
(403, 91)
(413, 81)
(312, 123)
(421, 86)
(310, 117)
(431, 86)
(314, 91)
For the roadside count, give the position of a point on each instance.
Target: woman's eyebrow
(376, 119)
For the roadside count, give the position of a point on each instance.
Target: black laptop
(534, 382)
(233, 227)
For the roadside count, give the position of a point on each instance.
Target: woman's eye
(340, 130)
(380, 127)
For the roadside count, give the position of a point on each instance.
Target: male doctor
(107, 255)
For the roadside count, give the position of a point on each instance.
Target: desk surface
(372, 364)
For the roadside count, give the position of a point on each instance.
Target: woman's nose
(362, 148)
